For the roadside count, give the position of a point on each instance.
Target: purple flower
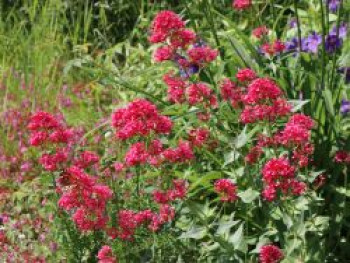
(345, 107)
(312, 42)
(343, 30)
(333, 43)
(293, 23)
(333, 5)
(293, 44)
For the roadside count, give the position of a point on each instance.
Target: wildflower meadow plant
(212, 136)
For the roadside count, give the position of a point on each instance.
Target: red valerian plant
(149, 141)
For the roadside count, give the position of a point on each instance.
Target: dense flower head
(182, 153)
(201, 93)
(301, 120)
(270, 254)
(52, 162)
(176, 88)
(163, 53)
(261, 31)
(105, 255)
(86, 159)
(202, 55)
(279, 174)
(137, 154)
(227, 189)
(42, 121)
(164, 24)
(231, 92)
(81, 193)
(182, 38)
(342, 157)
(199, 136)
(276, 169)
(246, 75)
(86, 219)
(251, 114)
(274, 48)
(178, 191)
(241, 4)
(262, 89)
(139, 118)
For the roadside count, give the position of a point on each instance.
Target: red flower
(226, 189)
(139, 118)
(105, 255)
(246, 75)
(270, 254)
(241, 4)
(260, 31)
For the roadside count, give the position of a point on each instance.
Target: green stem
(323, 45)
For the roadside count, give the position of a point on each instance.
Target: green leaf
(225, 227)
(298, 104)
(237, 237)
(327, 95)
(195, 232)
(249, 195)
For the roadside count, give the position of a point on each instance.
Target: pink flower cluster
(139, 118)
(129, 221)
(241, 4)
(105, 255)
(260, 32)
(227, 189)
(342, 157)
(263, 101)
(44, 127)
(84, 198)
(189, 56)
(178, 192)
(279, 174)
(155, 154)
(274, 48)
(270, 254)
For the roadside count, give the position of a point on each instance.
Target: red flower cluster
(180, 47)
(274, 48)
(263, 101)
(178, 192)
(246, 75)
(260, 32)
(82, 195)
(342, 157)
(241, 4)
(231, 92)
(182, 153)
(198, 137)
(200, 93)
(270, 254)
(226, 189)
(129, 221)
(202, 55)
(155, 154)
(176, 88)
(279, 174)
(139, 118)
(169, 27)
(105, 255)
